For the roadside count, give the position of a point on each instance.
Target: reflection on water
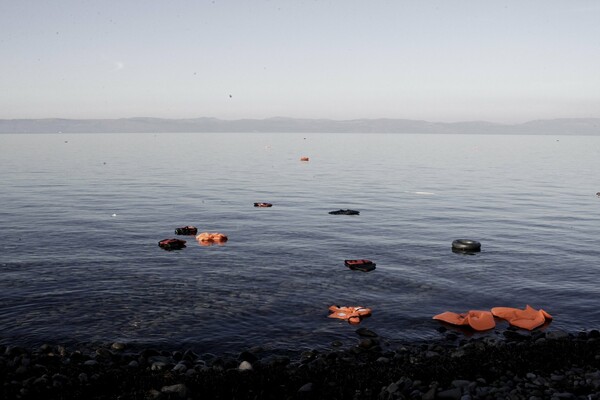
(81, 216)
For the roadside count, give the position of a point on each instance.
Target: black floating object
(172, 244)
(466, 246)
(186, 230)
(360, 265)
(263, 205)
(344, 212)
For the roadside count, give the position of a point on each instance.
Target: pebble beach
(511, 364)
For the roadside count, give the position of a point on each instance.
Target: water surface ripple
(81, 215)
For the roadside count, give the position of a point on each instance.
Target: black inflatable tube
(466, 245)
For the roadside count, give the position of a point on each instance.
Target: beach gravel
(520, 365)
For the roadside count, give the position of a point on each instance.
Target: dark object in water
(172, 244)
(344, 212)
(263, 205)
(186, 230)
(360, 265)
(466, 246)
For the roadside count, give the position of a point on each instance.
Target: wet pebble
(307, 387)
(245, 366)
(179, 389)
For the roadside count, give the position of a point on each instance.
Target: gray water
(81, 216)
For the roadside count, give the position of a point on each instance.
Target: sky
(440, 61)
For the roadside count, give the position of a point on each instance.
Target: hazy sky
(446, 60)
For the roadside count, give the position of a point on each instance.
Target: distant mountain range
(565, 126)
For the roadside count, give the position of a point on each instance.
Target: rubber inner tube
(466, 245)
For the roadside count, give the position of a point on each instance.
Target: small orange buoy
(303, 158)
(529, 318)
(476, 319)
(352, 314)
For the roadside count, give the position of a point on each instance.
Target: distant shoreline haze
(563, 126)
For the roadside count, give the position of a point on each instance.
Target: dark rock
(564, 395)
(364, 332)
(12, 351)
(277, 361)
(190, 355)
(179, 389)
(103, 354)
(307, 387)
(515, 336)
(430, 394)
(179, 368)
(117, 346)
(177, 355)
(247, 356)
(392, 388)
(557, 335)
(158, 366)
(208, 356)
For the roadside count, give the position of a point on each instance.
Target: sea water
(81, 216)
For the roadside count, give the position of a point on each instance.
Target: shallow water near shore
(81, 215)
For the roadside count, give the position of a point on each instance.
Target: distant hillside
(573, 126)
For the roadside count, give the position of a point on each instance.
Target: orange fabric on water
(529, 318)
(351, 314)
(211, 237)
(476, 319)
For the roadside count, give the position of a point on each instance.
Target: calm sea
(81, 216)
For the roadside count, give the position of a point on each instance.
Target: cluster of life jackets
(204, 239)
(529, 318)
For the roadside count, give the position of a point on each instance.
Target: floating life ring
(344, 212)
(211, 237)
(529, 318)
(304, 158)
(476, 319)
(263, 205)
(466, 246)
(172, 244)
(360, 265)
(352, 314)
(186, 230)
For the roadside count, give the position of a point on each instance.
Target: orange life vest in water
(352, 314)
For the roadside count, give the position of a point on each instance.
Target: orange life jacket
(353, 314)
(476, 319)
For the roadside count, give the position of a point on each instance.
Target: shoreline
(516, 364)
